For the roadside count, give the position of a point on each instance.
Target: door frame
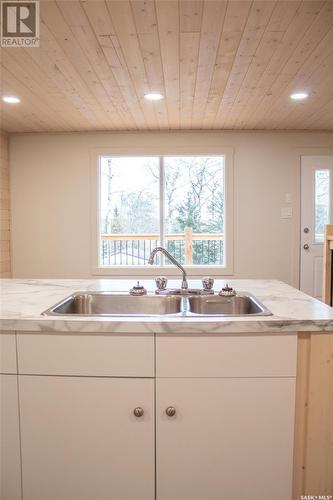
(310, 164)
(296, 242)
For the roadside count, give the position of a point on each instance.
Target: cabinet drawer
(122, 355)
(8, 352)
(226, 356)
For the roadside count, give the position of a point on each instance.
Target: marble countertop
(23, 300)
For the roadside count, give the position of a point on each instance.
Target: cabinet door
(230, 439)
(10, 468)
(8, 363)
(81, 440)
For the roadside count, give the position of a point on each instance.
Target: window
(322, 203)
(129, 210)
(179, 202)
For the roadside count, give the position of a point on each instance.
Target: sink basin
(105, 303)
(238, 305)
(113, 304)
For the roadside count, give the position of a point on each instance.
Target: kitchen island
(23, 301)
(165, 407)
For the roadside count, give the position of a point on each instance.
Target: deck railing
(188, 247)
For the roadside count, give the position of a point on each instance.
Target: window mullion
(162, 235)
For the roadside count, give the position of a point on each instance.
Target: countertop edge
(165, 327)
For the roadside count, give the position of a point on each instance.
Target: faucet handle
(207, 283)
(161, 282)
(138, 290)
(227, 291)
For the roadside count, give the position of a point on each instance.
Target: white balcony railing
(188, 247)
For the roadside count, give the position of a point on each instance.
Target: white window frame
(148, 271)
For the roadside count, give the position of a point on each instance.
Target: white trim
(162, 200)
(193, 271)
(94, 213)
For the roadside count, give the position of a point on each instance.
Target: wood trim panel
(301, 414)
(5, 254)
(313, 447)
(327, 264)
(319, 442)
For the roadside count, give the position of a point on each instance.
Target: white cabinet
(203, 356)
(81, 440)
(232, 435)
(10, 466)
(230, 439)
(116, 355)
(8, 363)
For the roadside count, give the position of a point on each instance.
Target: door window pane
(194, 209)
(322, 203)
(129, 209)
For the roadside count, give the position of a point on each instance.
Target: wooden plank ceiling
(219, 64)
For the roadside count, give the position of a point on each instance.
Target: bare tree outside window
(194, 204)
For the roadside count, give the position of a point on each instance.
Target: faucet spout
(156, 250)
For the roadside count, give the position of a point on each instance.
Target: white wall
(50, 182)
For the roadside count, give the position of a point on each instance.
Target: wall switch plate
(288, 198)
(286, 212)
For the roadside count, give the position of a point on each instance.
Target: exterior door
(316, 211)
(229, 439)
(81, 440)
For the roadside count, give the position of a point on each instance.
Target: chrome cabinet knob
(170, 411)
(306, 246)
(138, 412)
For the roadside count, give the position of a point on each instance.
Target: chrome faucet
(173, 260)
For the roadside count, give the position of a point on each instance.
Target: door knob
(170, 411)
(306, 246)
(138, 412)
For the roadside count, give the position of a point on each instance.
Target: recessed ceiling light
(11, 99)
(298, 96)
(153, 96)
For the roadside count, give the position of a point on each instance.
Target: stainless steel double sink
(116, 304)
